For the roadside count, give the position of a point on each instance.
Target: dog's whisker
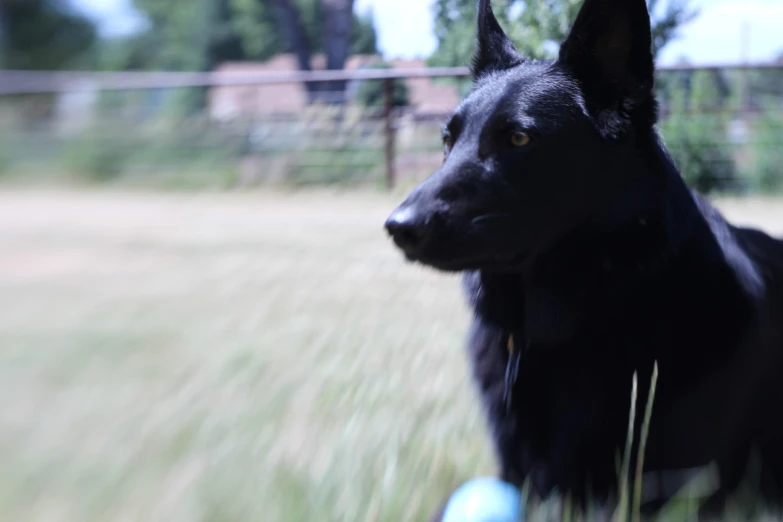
(487, 217)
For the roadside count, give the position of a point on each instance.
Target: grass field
(260, 357)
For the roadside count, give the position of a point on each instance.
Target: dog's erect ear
(494, 51)
(609, 50)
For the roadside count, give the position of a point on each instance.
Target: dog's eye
(447, 143)
(519, 139)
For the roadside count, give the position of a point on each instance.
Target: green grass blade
(622, 510)
(637, 492)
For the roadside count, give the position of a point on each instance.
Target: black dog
(587, 259)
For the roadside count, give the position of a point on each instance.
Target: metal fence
(723, 125)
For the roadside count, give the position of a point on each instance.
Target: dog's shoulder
(766, 250)
(471, 286)
(754, 256)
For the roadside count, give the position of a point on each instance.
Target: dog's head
(538, 146)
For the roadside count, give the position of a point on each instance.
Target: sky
(405, 28)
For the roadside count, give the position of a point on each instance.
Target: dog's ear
(494, 51)
(609, 51)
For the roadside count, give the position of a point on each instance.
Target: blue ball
(484, 500)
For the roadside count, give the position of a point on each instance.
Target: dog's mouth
(455, 245)
(493, 262)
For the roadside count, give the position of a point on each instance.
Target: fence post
(388, 91)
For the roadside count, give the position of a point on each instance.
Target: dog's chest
(561, 309)
(554, 314)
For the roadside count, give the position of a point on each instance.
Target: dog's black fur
(578, 236)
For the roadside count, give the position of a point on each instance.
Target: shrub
(768, 149)
(371, 92)
(696, 132)
(5, 161)
(96, 158)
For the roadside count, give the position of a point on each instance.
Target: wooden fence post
(388, 96)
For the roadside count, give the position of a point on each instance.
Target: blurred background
(202, 318)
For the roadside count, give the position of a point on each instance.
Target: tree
(197, 35)
(364, 38)
(257, 24)
(535, 26)
(187, 35)
(294, 31)
(334, 26)
(336, 37)
(224, 42)
(44, 35)
(665, 26)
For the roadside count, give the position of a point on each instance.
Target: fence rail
(37, 82)
(31, 82)
(722, 122)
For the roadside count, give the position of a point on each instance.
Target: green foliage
(5, 160)
(181, 32)
(224, 43)
(344, 165)
(132, 53)
(45, 35)
(757, 87)
(96, 157)
(535, 26)
(257, 28)
(666, 22)
(696, 132)
(190, 35)
(196, 35)
(371, 93)
(172, 151)
(181, 35)
(455, 31)
(768, 150)
(261, 36)
(364, 38)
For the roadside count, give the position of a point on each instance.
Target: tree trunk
(296, 36)
(337, 19)
(3, 43)
(225, 43)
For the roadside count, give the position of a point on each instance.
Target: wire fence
(243, 125)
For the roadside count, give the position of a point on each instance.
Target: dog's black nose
(408, 229)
